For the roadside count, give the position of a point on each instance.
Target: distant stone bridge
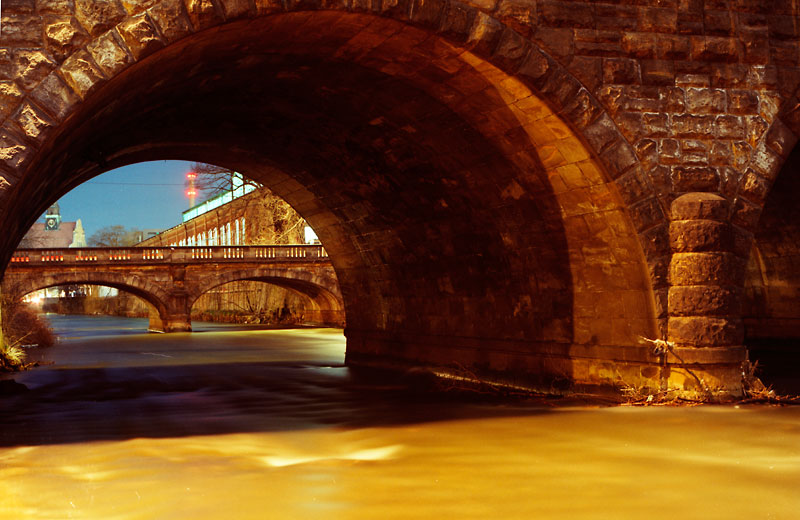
(171, 279)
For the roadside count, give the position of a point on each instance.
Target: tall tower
(52, 219)
(191, 191)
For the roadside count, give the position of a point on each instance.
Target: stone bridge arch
(18, 284)
(459, 170)
(320, 288)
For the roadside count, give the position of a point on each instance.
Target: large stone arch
(320, 288)
(19, 284)
(472, 174)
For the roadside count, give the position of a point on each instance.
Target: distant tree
(113, 236)
(272, 220)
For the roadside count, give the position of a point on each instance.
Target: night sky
(144, 196)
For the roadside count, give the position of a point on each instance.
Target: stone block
(601, 133)
(10, 96)
(560, 89)
(171, 19)
(233, 9)
(646, 214)
(705, 300)
(718, 268)
(630, 124)
(632, 187)
(428, 13)
(32, 66)
(704, 206)
(140, 36)
(721, 154)
(33, 122)
(657, 19)
(559, 42)
(109, 54)
(714, 48)
(754, 188)
(21, 30)
(457, 21)
(693, 79)
(690, 125)
(672, 99)
(81, 74)
(729, 75)
(746, 214)
(562, 14)
(766, 162)
(63, 35)
(618, 158)
(718, 23)
(61, 7)
(705, 332)
(484, 35)
(673, 47)
(520, 15)
(641, 45)
(511, 50)
(694, 178)
(582, 109)
(730, 127)
(621, 71)
(755, 126)
(204, 13)
(647, 151)
(781, 139)
(98, 16)
(699, 236)
(14, 152)
(705, 100)
(756, 47)
(55, 96)
(742, 102)
(669, 151)
(657, 72)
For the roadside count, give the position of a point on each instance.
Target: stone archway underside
(467, 223)
(320, 290)
(19, 284)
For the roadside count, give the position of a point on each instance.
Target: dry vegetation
(22, 327)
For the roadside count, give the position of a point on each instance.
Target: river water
(238, 423)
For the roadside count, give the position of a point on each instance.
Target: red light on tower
(191, 192)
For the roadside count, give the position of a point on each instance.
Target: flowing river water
(233, 423)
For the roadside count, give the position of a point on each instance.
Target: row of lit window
(224, 236)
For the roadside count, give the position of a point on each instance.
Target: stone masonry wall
(672, 97)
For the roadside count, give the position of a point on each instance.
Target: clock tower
(52, 219)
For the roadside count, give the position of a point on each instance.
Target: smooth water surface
(232, 423)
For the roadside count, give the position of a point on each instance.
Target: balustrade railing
(283, 253)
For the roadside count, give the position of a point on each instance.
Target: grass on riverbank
(22, 326)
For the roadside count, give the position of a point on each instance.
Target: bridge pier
(170, 323)
(705, 327)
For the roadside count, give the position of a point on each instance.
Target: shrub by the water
(21, 326)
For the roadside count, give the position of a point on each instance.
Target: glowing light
(191, 175)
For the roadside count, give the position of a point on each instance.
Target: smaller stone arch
(320, 287)
(18, 284)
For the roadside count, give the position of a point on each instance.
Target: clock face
(50, 223)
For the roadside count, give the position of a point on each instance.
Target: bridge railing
(157, 255)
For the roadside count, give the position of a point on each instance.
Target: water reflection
(270, 424)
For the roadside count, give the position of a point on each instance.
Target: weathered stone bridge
(171, 279)
(519, 187)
